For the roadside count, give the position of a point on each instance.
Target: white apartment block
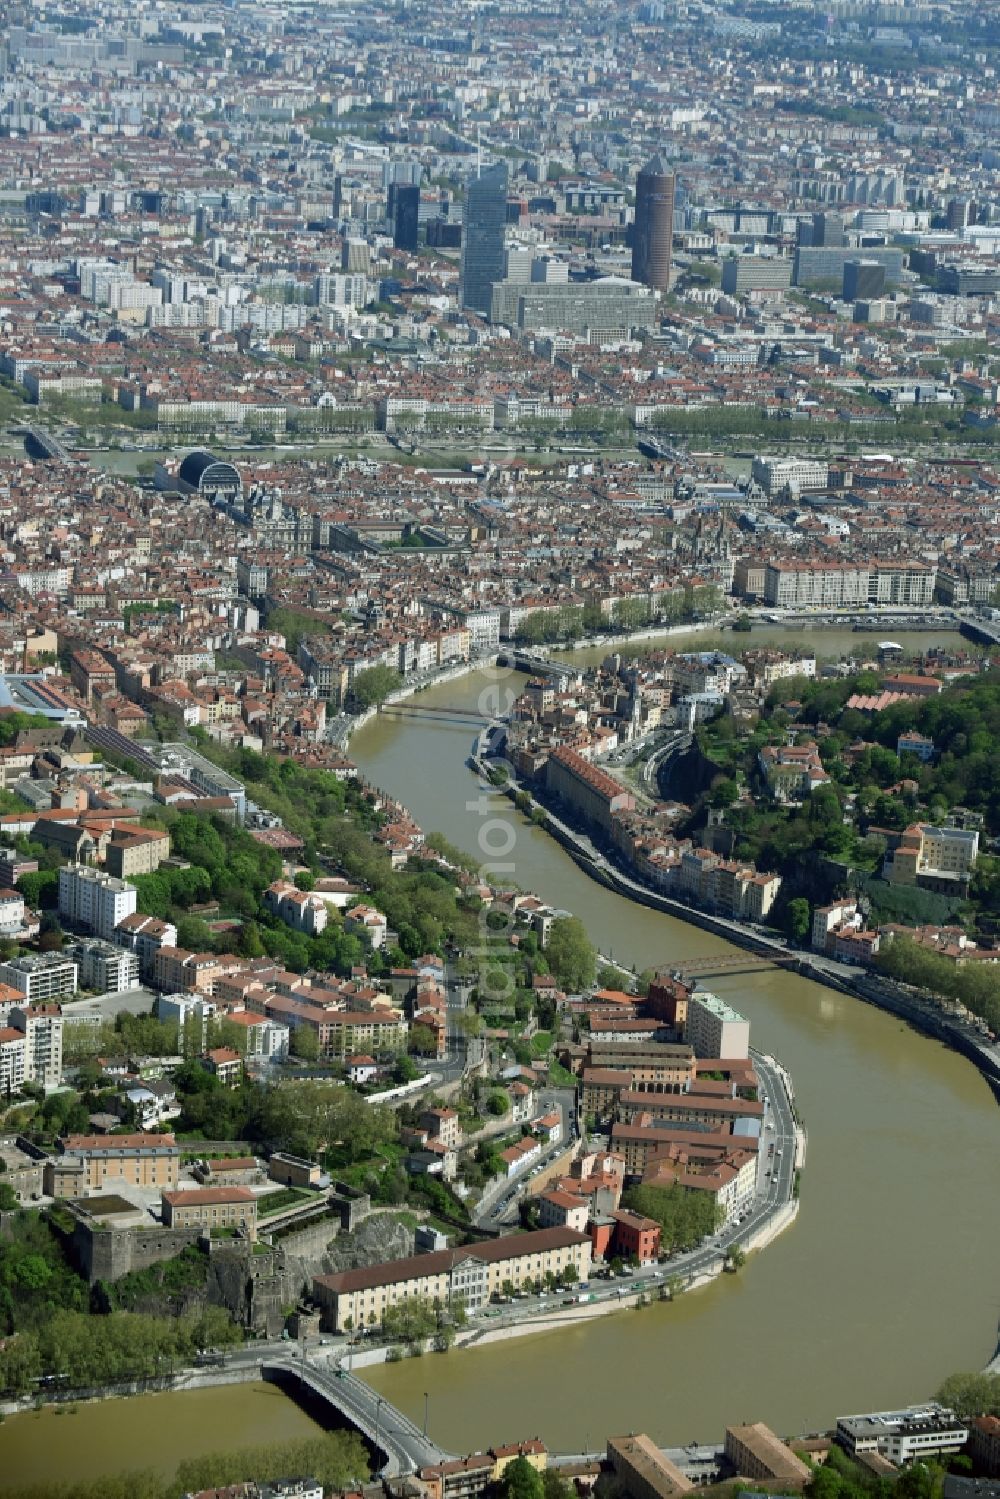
(40, 976)
(781, 671)
(739, 1192)
(12, 1059)
(95, 900)
(104, 967)
(184, 1010)
(715, 1029)
(42, 1028)
(11, 913)
(918, 1431)
(827, 919)
(816, 585)
(910, 583)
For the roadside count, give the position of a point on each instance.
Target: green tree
(304, 1044)
(799, 919)
(520, 1480)
(371, 687)
(571, 955)
(422, 1040)
(971, 1394)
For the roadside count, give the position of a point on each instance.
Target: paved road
(499, 1207)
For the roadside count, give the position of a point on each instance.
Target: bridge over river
(400, 1444)
(41, 444)
(721, 963)
(450, 715)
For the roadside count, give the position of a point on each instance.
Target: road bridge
(42, 444)
(400, 1444)
(539, 666)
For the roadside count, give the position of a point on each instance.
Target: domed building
(202, 473)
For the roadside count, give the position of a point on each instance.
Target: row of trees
(78, 1351)
(569, 622)
(337, 1459)
(685, 1218)
(975, 985)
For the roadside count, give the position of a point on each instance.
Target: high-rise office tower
(828, 231)
(863, 280)
(654, 225)
(482, 236)
(404, 213)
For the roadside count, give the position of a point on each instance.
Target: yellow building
(471, 1274)
(89, 1163)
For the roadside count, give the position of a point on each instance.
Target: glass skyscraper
(482, 236)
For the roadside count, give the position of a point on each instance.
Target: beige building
(470, 1275)
(136, 851)
(755, 1452)
(933, 857)
(212, 1207)
(643, 1470)
(89, 1163)
(177, 969)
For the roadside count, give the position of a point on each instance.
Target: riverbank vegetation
(971, 1394)
(336, 1459)
(571, 622)
(50, 1339)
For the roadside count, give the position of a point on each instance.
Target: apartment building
(714, 1029)
(176, 969)
(908, 583)
(11, 913)
(145, 936)
(726, 1172)
(13, 1052)
(299, 910)
(744, 274)
(369, 922)
(792, 771)
(40, 976)
(470, 1274)
(133, 851)
(775, 475)
(212, 1208)
(184, 1009)
(816, 585)
(104, 967)
(93, 899)
(828, 919)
